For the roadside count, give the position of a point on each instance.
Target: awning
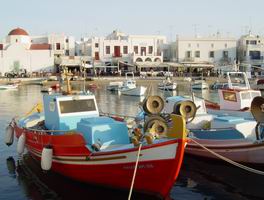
(150, 64)
(198, 65)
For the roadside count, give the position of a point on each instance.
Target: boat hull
(200, 86)
(237, 113)
(158, 167)
(8, 87)
(238, 150)
(167, 87)
(138, 91)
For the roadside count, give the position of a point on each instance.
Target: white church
(19, 50)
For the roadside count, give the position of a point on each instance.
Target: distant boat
(234, 100)
(115, 86)
(199, 85)
(218, 85)
(167, 84)
(127, 87)
(8, 87)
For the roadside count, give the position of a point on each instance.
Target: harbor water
(22, 178)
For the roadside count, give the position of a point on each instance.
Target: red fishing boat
(70, 137)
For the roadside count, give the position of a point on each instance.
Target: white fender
(46, 158)
(21, 143)
(9, 135)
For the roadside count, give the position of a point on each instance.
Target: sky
(81, 18)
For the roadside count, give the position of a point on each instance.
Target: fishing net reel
(185, 108)
(257, 110)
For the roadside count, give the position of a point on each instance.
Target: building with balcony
(214, 50)
(251, 52)
(121, 49)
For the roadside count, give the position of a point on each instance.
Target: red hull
(72, 158)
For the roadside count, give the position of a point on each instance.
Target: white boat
(115, 86)
(137, 91)
(233, 137)
(8, 87)
(234, 100)
(167, 85)
(129, 87)
(199, 85)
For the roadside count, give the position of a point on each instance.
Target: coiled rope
(135, 172)
(228, 160)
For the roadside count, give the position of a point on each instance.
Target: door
(96, 55)
(117, 51)
(143, 51)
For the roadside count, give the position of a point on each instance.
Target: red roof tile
(40, 47)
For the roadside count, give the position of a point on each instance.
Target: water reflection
(11, 166)
(48, 185)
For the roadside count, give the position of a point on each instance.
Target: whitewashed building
(19, 50)
(251, 52)
(213, 49)
(119, 47)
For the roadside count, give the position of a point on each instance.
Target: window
(107, 50)
(96, 45)
(197, 45)
(1, 46)
(136, 49)
(225, 45)
(188, 54)
(150, 49)
(67, 53)
(229, 96)
(67, 40)
(247, 42)
(197, 54)
(72, 106)
(189, 45)
(212, 45)
(58, 46)
(16, 40)
(225, 54)
(245, 53)
(254, 55)
(245, 95)
(211, 54)
(253, 42)
(125, 50)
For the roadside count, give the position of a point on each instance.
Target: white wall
(205, 45)
(31, 60)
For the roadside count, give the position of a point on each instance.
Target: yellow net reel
(187, 109)
(156, 125)
(257, 109)
(153, 105)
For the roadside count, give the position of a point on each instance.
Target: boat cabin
(236, 99)
(80, 113)
(62, 112)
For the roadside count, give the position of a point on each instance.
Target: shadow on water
(37, 184)
(215, 179)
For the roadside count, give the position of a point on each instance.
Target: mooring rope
(135, 171)
(229, 160)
